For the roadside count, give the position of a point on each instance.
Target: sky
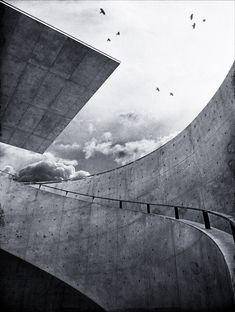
(158, 48)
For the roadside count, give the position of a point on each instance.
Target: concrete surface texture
(196, 168)
(46, 78)
(122, 260)
(25, 288)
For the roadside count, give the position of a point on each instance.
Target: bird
(194, 25)
(191, 16)
(204, 20)
(108, 39)
(171, 94)
(118, 33)
(158, 89)
(102, 11)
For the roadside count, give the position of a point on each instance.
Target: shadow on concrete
(25, 288)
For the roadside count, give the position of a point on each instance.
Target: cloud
(131, 116)
(48, 170)
(71, 151)
(107, 136)
(93, 146)
(125, 152)
(30, 166)
(79, 175)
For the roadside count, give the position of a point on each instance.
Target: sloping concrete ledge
(46, 76)
(123, 260)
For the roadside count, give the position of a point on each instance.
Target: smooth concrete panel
(43, 73)
(196, 168)
(123, 260)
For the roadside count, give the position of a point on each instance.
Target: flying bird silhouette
(102, 11)
(194, 25)
(158, 89)
(191, 16)
(171, 94)
(118, 33)
(108, 39)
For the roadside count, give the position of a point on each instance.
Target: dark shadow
(25, 288)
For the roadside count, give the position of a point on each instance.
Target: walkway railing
(177, 208)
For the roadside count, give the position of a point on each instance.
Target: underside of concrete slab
(46, 79)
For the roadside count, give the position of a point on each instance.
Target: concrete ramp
(122, 260)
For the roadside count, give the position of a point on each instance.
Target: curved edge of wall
(123, 260)
(224, 243)
(196, 168)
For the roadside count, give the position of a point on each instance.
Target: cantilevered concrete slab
(46, 78)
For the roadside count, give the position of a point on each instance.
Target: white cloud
(126, 152)
(107, 136)
(49, 170)
(79, 175)
(30, 166)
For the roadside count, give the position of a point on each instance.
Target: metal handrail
(205, 213)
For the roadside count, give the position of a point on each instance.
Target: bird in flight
(102, 11)
(191, 16)
(108, 39)
(194, 25)
(158, 89)
(171, 94)
(118, 33)
(204, 20)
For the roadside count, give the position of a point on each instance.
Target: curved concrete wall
(196, 168)
(123, 260)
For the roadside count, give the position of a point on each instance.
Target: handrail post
(232, 225)
(176, 213)
(206, 219)
(120, 204)
(40, 186)
(148, 208)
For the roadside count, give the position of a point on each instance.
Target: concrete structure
(46, 79)
(127, 260)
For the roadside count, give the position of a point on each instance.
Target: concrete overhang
(47, 76)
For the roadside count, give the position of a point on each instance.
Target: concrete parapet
(123, 260)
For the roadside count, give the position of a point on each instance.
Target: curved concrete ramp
(25, 288)
(196, 168)
(122, 260)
